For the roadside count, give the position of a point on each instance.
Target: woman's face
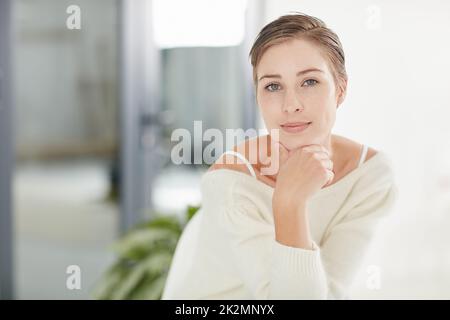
(295, 84)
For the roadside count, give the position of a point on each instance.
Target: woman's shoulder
(229, 185)
(231, 175)
(247, 148)
(370, 169)
(352, 149)
(375, 167)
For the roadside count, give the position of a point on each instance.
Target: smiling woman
(302, 231)
(312, 94)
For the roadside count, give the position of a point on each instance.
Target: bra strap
(247, 163)
(363, 154)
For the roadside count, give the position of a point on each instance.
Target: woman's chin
(299, 143)
(292, 141)
(292, 144)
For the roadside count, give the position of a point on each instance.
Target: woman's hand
(302, 173)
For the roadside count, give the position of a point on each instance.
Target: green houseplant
(144, 255)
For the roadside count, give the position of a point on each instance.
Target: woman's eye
(272, 87)
(310, 82)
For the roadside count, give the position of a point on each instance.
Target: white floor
(61, 219)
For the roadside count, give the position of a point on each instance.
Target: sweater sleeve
(271, 270)
(346, 244)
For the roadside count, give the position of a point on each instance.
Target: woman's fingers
(323, 155)
(330, 174)
(280, 154)
(328, 164)
(316, 148)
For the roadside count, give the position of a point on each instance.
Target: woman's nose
(292, 104)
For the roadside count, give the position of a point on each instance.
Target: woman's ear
(342, 91)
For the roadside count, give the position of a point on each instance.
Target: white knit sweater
(228, 249)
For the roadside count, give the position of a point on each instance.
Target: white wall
(399, 101)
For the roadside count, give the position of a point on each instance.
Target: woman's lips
(294, 128)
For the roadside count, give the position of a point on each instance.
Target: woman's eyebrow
(298, 73)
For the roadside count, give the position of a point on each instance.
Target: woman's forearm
(292, 227)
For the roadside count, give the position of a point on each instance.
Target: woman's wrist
(291, 224)
(286, 206)
(293, 230)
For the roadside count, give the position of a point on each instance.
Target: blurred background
(87, 112)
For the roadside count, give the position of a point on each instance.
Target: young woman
(301, 231)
